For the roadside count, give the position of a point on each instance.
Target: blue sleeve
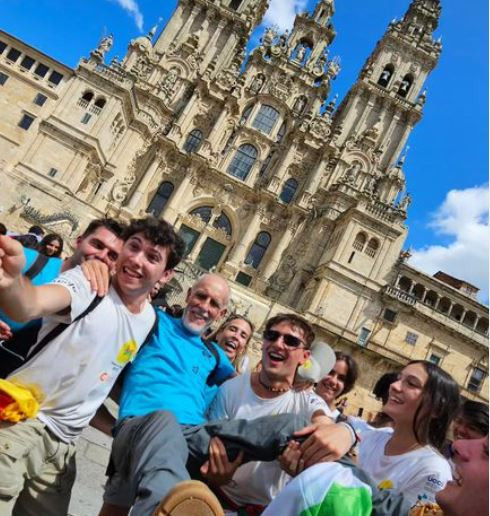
(225, 369)
(31, 256)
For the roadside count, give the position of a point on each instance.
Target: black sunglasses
(290, 340)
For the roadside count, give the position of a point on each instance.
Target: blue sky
(447, 164)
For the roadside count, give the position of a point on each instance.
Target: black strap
(37, 266)
(61, 327)
(214, 351)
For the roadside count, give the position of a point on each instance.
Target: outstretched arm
(19, 299)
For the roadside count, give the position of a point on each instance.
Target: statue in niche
(300, 55)
(169, 81)
(320, 64)
(105, 45)
(405, 202)
(257, 83)
(299, 105)
(351, 173)
(371, 186)
(280, 280)
(283, 41)
(121, 188)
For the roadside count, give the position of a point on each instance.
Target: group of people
(198, 431)
(50, 245)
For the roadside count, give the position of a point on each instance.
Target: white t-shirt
(75, 372)
(418, 474)
(258, 483)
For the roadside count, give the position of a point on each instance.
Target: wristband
(355, 438)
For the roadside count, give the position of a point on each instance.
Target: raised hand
(12, 261)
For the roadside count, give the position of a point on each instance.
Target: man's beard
(190, 327)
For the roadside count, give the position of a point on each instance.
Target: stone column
(214, 38)
(187, 115)
(275, 258)
(171, 29)
(315, 178)
(216, 132)
(238, 254)
(171, 210)
(477, 320)
(436, 304)
(228, 49)
(401, 143)
(281, 169)
(143, 184)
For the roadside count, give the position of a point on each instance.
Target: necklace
(272, 389)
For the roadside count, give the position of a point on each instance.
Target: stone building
(299, 202)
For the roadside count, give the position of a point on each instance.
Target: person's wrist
(354, 436)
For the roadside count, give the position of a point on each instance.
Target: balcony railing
(401, 295)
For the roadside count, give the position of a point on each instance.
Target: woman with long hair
(339, 381)
(233, 337)
(422, 403)
(51, 245)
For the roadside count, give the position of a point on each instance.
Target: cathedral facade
(299, 201)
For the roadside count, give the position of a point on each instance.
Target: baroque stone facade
(299, 202)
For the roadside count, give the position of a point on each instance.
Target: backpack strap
(37, 266)
(152, 331)
(211, 347)
(59, 328)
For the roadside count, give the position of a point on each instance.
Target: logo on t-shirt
(385, 484)
(127, 352)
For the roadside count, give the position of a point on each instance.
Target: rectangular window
(389, 315)
(27, 62)
(210, 254)
(55, 78)
(41, 70)
(26, 121)
(40, 99)
(3, 46)
(52, 172)
(435, 359)
(411, 338)
(363, 337)
(86, 118)
(13, 54)
(243, 279)
(476, 380)
(3, 78)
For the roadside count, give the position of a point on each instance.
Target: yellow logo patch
(385, 484)
(127, 352)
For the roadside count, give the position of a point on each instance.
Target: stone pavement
(93, 449)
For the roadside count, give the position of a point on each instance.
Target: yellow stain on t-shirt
(385, 484)
(127, 352)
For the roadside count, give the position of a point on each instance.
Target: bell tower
(389, 91)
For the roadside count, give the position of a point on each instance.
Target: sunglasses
(290, 340)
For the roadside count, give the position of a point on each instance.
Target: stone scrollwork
(320, 127)
(122, 187)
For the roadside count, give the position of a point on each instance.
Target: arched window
(405, 85)
(193, 141)
(100, 102)
(288, 190)
(360, 241)
(223, 222)
(88, 96)
(266, 119)
(204, 213)
(160, 198)
(372, 247)
(386, 75)
(243, 161)
(258, 249)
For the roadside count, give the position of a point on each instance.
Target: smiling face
(140, 265)
(206, 302)
(280, 361)
(332, 385)
(405, 394)
(234, 337)
(53, 248)
(101, 245)
(468, 492)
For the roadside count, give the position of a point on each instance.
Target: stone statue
(283, 41)
(105, 45)
(168, 82)
(257, 83)
(300, 55)
(269, 35)
(280, 280)
(350, 175)
(300, 104)
(405, 202)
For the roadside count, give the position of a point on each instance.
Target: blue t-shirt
(48, 273)
(170, 373)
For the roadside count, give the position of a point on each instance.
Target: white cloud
(463, 216)
(282, 13)
(133, 9)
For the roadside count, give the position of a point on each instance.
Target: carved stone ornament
(282, 278)
(121, 188)
(142, 68)
(257, 83)
(169, 82)
(281, 88)
(320, 127)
